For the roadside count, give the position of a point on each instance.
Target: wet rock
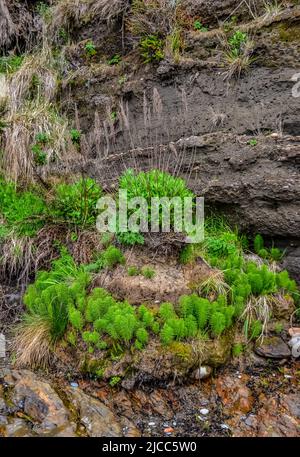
(18, 428)
(277, 416)
(236, 397)
(273, 348)
(38, 400)
(94, 415)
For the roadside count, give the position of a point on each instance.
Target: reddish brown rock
(235, 396)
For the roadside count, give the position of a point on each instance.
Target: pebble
(169, 430)
(204, 411)
(151, 424)
(224, 427)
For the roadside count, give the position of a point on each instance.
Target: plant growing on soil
(23, 212)
(90, 49)
(76, 203)
(75, 136)
(152, 49)
(148, 272)
(115, 59)
(198, 26)
(131, 238)
(133, 271)
(238, 56)
(10, 64)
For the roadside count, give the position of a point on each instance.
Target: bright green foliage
(90, 49)
(187, 254)
(217, 323)
(42, 138)
(154, 183)
(222, 245)
(142, 336)
(91, 337)
(75, 318)
(191, 327)
(166, 335)
(23, 212)
(255, 329)
(284, 282)
(152, 49)
(111, 257)
(133, 271)
(130, 238)
(146, 316)
(114, 381)
(55, 294)
(276, 254)
(253, 142)
(75, 136)
(148, 272)
(115, 60)
(237, 349)
(155, 328)
(237, 41)
(198, 26)
(98, 304)
(258, 243)
(10, 64)
(166, 311)
(76, 203)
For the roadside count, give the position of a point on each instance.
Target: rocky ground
(257, 398)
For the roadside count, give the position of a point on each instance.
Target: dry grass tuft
(31, 110)
(150, 17)
(258, 308)
(17, 258)
(73, 13)
(32, 343)
(214, 285)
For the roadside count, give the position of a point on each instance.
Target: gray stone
(97, 418)
(273, 348)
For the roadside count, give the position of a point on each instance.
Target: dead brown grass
(32, 343)
(73, 13)
(31, 110)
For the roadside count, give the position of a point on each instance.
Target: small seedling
(114, 381)
(90, 49)
(199, 26)
(113, 115)
(148, 272)
(115, 60)
(133, 271)
(252, 142)
(75, 136)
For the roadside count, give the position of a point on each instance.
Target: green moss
(182, 350)
(288, 33)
